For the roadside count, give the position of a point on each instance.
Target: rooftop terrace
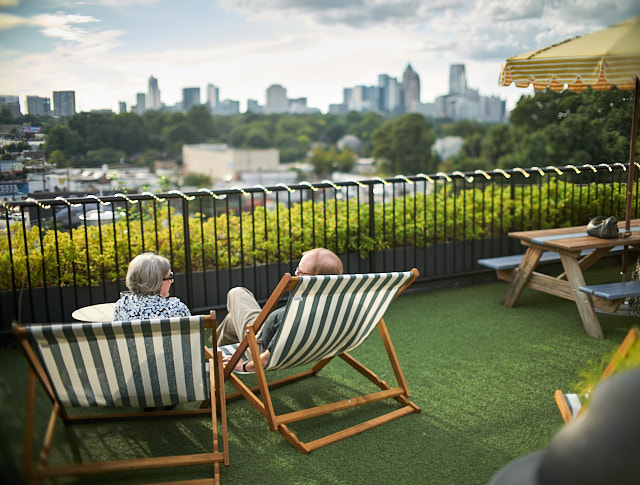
(483, 374)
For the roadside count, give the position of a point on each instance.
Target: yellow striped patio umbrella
(601, 59)
(608, 57)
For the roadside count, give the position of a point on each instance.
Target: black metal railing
(61, 254)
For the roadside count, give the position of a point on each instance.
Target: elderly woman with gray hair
(149, 279)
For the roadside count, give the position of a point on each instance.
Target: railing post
(372, 226)
(187, 252)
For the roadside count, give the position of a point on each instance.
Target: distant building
(141, 103)
(393, 97)
(447, 146)
(363, 98)
(254, 107)
(213, 98)
(11, 103)
(463, 103)
(390, 94)
(190, 98)
(410, 90)
(351, 142)
(122, 107)
(64, 103)
(299, 106)
(457, 80)
(228, 107)
(222, 163)
(338, 109)
(277, 101)
(389, 97)
(153, 94)
(38, 106)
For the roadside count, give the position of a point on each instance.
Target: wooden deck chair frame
(35, 472)
(569, 404)
(279, 422)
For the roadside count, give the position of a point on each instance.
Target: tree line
(544, 128)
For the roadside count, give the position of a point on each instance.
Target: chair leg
(222, 406)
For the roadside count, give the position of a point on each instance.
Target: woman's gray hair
(146, 272)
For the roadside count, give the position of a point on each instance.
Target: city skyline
(106, 50)
(392, 95)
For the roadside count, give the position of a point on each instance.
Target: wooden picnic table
(568, 242)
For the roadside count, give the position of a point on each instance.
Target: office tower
(229, 107)
(153, 95)
(364, 98)
(492, 109)
(190, 98)
(411, 89)
(64, 103)
(10, 103)
(141, 103)
(38, 106)
(389, 94)
(213, 98)
(122, 107)
(277, 101)
(457, 80)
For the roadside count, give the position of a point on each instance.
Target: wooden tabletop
(576, 238)
(102, 312)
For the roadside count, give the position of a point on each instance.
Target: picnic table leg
(583, 300)
(521, 276)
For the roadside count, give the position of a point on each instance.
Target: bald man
(243, 307)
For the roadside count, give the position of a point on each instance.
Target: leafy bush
(87, 255)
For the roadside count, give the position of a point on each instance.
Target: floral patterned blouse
(144, 307)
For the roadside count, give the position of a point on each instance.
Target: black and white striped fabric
(139, 363)
(327, 315)
(575, 402)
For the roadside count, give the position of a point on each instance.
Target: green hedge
(273, 234)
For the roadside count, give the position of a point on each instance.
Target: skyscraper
(390, 94)
(364, 98)
(213, 98)
(410, 89)
(457, 80)
(64, 103)
(39, 106)
(141, 103)
(463, 103)
(190, 98)
(153, 95)
(277, 101)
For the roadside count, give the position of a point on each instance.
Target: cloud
(496, 29)
(9, 3)
(353, 13)
(62, 25)
(9, 21)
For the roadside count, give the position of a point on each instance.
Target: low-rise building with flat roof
(221, 162)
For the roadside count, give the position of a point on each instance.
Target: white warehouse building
(222, 163)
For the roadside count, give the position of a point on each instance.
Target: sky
(106, 50)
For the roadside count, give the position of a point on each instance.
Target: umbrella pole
(630, 178)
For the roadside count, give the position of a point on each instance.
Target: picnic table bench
(577, 251)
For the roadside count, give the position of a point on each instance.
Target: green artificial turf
(484, 376)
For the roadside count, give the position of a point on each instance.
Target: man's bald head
(320, 261)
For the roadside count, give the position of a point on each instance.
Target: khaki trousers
(243, 309)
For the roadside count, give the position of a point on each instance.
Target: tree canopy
(544, 128)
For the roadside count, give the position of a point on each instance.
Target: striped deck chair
(325, 316)
(571, 405)
(135, 364)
